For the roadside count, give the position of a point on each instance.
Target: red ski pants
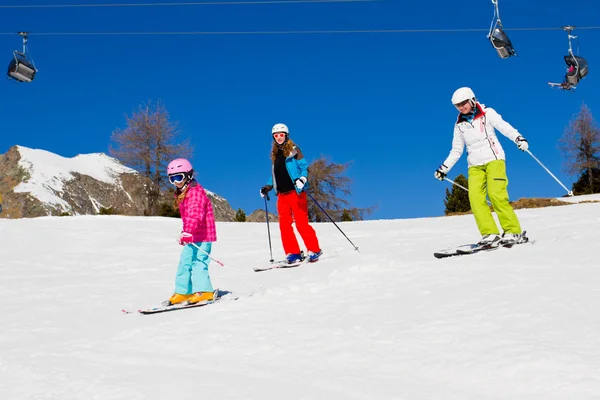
(292, 207)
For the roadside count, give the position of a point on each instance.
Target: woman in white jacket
(474, 128)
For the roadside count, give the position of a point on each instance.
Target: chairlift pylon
(577, 67)
(498, 37)
(21, 68)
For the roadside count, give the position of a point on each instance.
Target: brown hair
(180, 195)
(287, 148)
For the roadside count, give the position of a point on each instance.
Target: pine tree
(345, 216)
(107, 211)
(166, 209)
(582, 185)
(457, 199)
(240, 215)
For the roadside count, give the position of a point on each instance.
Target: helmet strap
(180, 190)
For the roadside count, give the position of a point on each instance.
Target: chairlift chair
(502, 43)
(577, 67)
(21, 68)
(498, 37)
(579, 70)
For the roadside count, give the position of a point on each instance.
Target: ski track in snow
(390, 322)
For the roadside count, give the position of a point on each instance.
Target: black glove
(441, 172)
(264, 191)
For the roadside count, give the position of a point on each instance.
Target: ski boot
(295, 258)
(177, 298)
(489, 241)
(510, 239)
(314, 257)
(201, 296)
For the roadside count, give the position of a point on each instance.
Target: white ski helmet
(462, 94)
(280, 128)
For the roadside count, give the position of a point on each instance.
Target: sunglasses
(462, 103)
(278, 135)
(177, 178)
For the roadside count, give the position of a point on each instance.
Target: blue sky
(378, 100)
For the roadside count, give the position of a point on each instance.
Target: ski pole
(461, 186)
(268, 230)
(569, 192)
(223, 265)
(325, 212)
(457, 184)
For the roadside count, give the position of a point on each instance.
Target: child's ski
(219, 295)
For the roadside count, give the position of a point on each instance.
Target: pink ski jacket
(197, 214)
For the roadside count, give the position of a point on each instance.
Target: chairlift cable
(294, 32)
(179, 4)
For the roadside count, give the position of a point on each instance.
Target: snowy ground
(390, 322)
(580, 199)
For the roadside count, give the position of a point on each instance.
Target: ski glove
(441, 172)
(300, 182)
(185, 238)
(522, 143)
(264, 191)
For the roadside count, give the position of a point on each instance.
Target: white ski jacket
(480, 137)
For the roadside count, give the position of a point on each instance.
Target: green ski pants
(491, 177)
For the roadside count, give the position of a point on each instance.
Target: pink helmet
(179, 165)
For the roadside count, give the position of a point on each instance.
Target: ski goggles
(461, 104)
(177, 178)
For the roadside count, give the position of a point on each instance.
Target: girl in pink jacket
(192, 283)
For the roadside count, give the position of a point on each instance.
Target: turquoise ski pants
(192, 273)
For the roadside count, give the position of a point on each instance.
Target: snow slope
(390, 322)
(582, 198)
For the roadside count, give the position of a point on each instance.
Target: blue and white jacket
(296, 165)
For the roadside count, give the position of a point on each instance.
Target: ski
(161, 309)
(284, 264)
(219, 295)
(473, 248)
(477, 248)
(562, 86)
(458, 251)
(278, 264)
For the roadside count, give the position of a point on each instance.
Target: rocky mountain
(259, 216)
(36, 183)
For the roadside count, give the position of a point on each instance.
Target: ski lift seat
(502, 43)
(21, 69)
(579, 63)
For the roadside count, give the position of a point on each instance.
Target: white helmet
(280, 128)
(462, 94)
